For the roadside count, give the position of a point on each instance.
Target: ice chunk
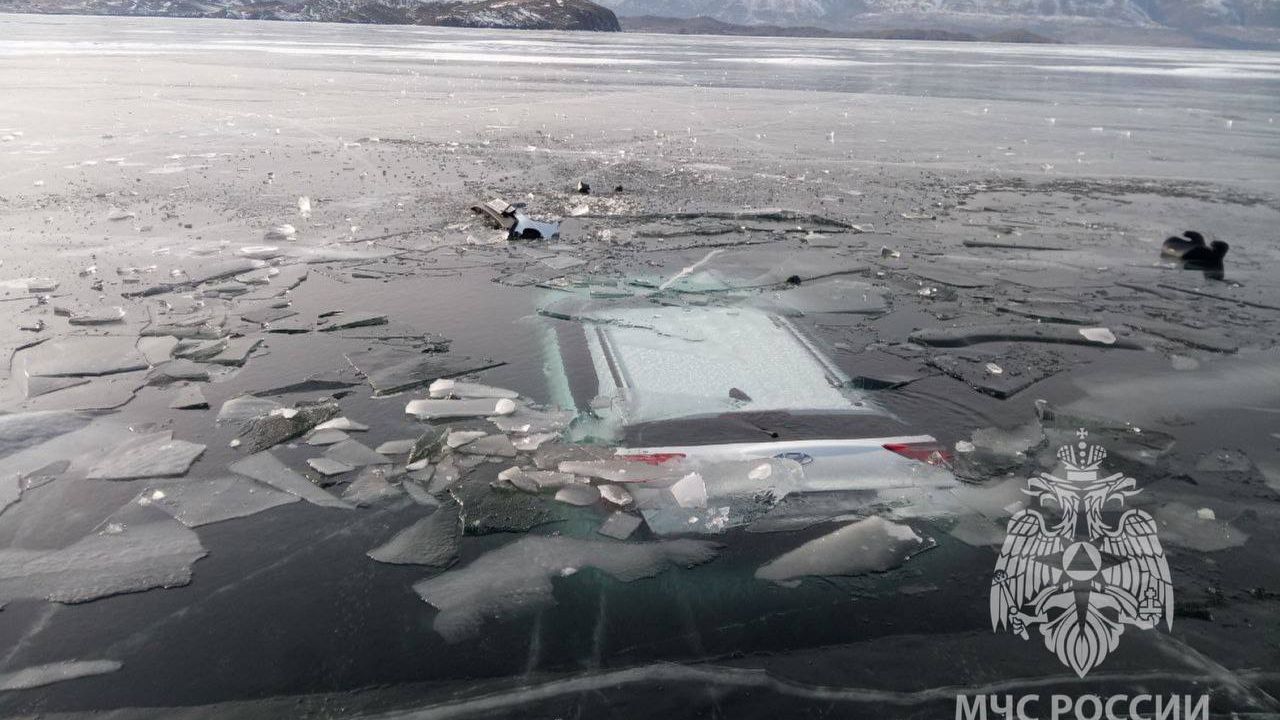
(526, 420)
(355, 454)
(267, 468)
(428, 444)
(282, 424)
(372, 485)
(326, 437)
(354, 320)
(869, 545)
(689, 491)
(85, 356)
(418, 493)
(1098, 335)
(626, 471)
(391, 370)
(619, 526)
(147, 456)
(517, 578)
(135, 549)
(203, 501)
(978, 531)
(41, 675)
(617, 495)
(342, 423)
(537, 480)
(97, 316)
(579, 494)
(446, 388)
(443, 409)
(495, 445)
(245, 407)
(1184, 526)
(530, 443)
(395, 447)
(458, 438)
(432, 541)
(189, 398)
(328, 467)
(235, 352)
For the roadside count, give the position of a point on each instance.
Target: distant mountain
(515, 14)
(711, 26)
(847, 14)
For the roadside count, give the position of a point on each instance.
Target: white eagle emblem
(1081, 580)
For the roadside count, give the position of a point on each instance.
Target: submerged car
(702, 387)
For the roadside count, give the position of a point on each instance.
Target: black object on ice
(519, 226)
(1176, 247)
(583, 188)
(1194, 254)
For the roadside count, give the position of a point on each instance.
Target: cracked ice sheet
(135, 549)
(516, 579)
(49, 673)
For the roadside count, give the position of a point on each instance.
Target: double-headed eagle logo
(1080, 579)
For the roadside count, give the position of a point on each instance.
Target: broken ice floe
(354, 453)
(203, 501)
(148, 456)
(267, 468)
(870, 545)
(328, 467)
(431, 541)
(373, 485)
(517, 578)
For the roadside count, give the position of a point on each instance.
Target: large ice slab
(85, 356)
(201, 501)
(148, 456)
(135, 549)
(516, 578)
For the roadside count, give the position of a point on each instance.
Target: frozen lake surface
(234, 256)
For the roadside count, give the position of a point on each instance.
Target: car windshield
(639, 359)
